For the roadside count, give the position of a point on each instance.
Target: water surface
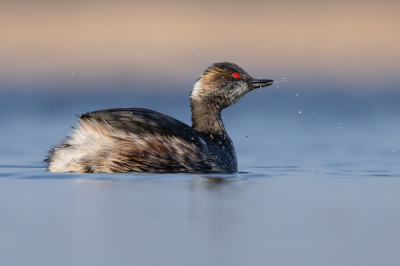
(316, 187)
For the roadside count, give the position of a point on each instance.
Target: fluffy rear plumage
(96, 147)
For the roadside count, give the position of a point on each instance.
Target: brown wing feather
(144, 121)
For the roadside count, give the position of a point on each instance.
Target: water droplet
(247, 137)
(297, 94)
(299, 112)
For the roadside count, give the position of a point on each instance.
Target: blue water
(318, 184)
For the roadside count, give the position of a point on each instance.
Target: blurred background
(336, 63)
(74, 46)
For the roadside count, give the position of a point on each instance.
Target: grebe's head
(223, 84)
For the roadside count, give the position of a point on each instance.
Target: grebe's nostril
(259, 83)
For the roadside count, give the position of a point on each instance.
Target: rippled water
(318, 185)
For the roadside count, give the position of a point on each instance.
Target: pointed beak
(259, 83)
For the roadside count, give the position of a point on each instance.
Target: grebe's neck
(206, 119)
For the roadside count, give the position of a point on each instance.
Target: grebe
(125, 140)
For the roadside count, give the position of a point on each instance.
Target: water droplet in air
(247, 137)
(297, 94)
(299, 112)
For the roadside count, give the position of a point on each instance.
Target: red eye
(236, 75)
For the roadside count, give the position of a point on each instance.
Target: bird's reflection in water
(213, 181)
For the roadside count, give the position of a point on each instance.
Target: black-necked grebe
(141, 140)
